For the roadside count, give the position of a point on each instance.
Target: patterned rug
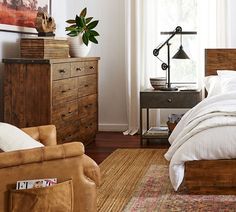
(155, 193)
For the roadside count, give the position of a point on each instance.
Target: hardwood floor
(107, 142)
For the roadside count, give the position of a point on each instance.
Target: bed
(212, 176)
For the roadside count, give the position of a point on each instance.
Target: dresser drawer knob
(169, 100)
(78, 69)
(86, 85)
(62, 71)
(64, 91)
(91, 67)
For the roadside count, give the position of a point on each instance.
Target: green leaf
(70, 28)
(83, 12)
(94, 33)
(83, 21)
(70, 21)
(88, 19)
(93, 39)
(72, 33)
(80, 29)
(85, 39)
(79, 22)
(92, 25)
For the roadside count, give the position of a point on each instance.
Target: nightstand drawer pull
(62, 71)
(169, 100)
(78, 69)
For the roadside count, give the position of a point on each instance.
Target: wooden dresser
(63, 92)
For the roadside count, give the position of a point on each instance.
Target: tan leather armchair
(64, 162)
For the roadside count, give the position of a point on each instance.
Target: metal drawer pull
(62, 71)
(89, 105)
(78, 69)
(91, 67)
(169, 100)
(64, 91)
(64, 115)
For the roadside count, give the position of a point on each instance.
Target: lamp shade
(180, 54)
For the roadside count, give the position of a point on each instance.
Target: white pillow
(213, 85)
(226, 73)
(12, 138)
(227, 80)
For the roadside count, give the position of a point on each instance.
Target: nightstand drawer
(169, 99)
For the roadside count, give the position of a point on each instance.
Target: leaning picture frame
(19, 16)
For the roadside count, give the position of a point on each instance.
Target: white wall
(9, 42)
(111, 49)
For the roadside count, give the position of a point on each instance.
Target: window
(166, 15)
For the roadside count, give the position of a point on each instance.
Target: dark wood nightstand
(153, 99)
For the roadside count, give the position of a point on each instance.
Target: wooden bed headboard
(219, 59)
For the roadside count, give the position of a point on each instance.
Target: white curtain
(143, 26)
(212, 29)
(140, 65)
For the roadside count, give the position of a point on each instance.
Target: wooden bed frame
(213, 176)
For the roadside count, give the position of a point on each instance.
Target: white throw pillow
(213, 85)
(227, 80)
(226, 73)
(12, 138)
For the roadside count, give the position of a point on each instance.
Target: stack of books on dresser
(158, 131)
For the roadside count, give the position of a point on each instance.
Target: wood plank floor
(107, 142)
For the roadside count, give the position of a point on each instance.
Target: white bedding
(206, 132)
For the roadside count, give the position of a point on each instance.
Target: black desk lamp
(179, 55)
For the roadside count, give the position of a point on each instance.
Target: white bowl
(158, 82)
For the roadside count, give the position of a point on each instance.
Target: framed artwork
(19, 15)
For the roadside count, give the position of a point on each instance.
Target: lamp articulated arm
(178, 30)
(165, 66)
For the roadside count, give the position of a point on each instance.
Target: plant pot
(77, 48)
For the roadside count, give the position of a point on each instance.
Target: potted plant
(81, 34)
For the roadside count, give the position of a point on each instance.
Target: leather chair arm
(47, 153)
(92, 170)
(45, 134)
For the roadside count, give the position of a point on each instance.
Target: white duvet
(206, 132)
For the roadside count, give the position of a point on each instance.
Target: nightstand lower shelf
(146, 135)
(154, 99)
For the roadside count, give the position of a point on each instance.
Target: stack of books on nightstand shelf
(158, 131)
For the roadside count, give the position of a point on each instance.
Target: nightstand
(154, 99)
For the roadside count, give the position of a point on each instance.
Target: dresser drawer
(87, 106)
(68, 132)
(64, 113)
(87, 85)
(61, 71)
(83, 68)
(64, 90)
(169, 99)
(87, 128)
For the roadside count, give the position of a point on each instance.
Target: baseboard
(113, 127)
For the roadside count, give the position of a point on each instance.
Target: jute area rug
(138, 180)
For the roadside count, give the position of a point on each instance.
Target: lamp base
(169, 89)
